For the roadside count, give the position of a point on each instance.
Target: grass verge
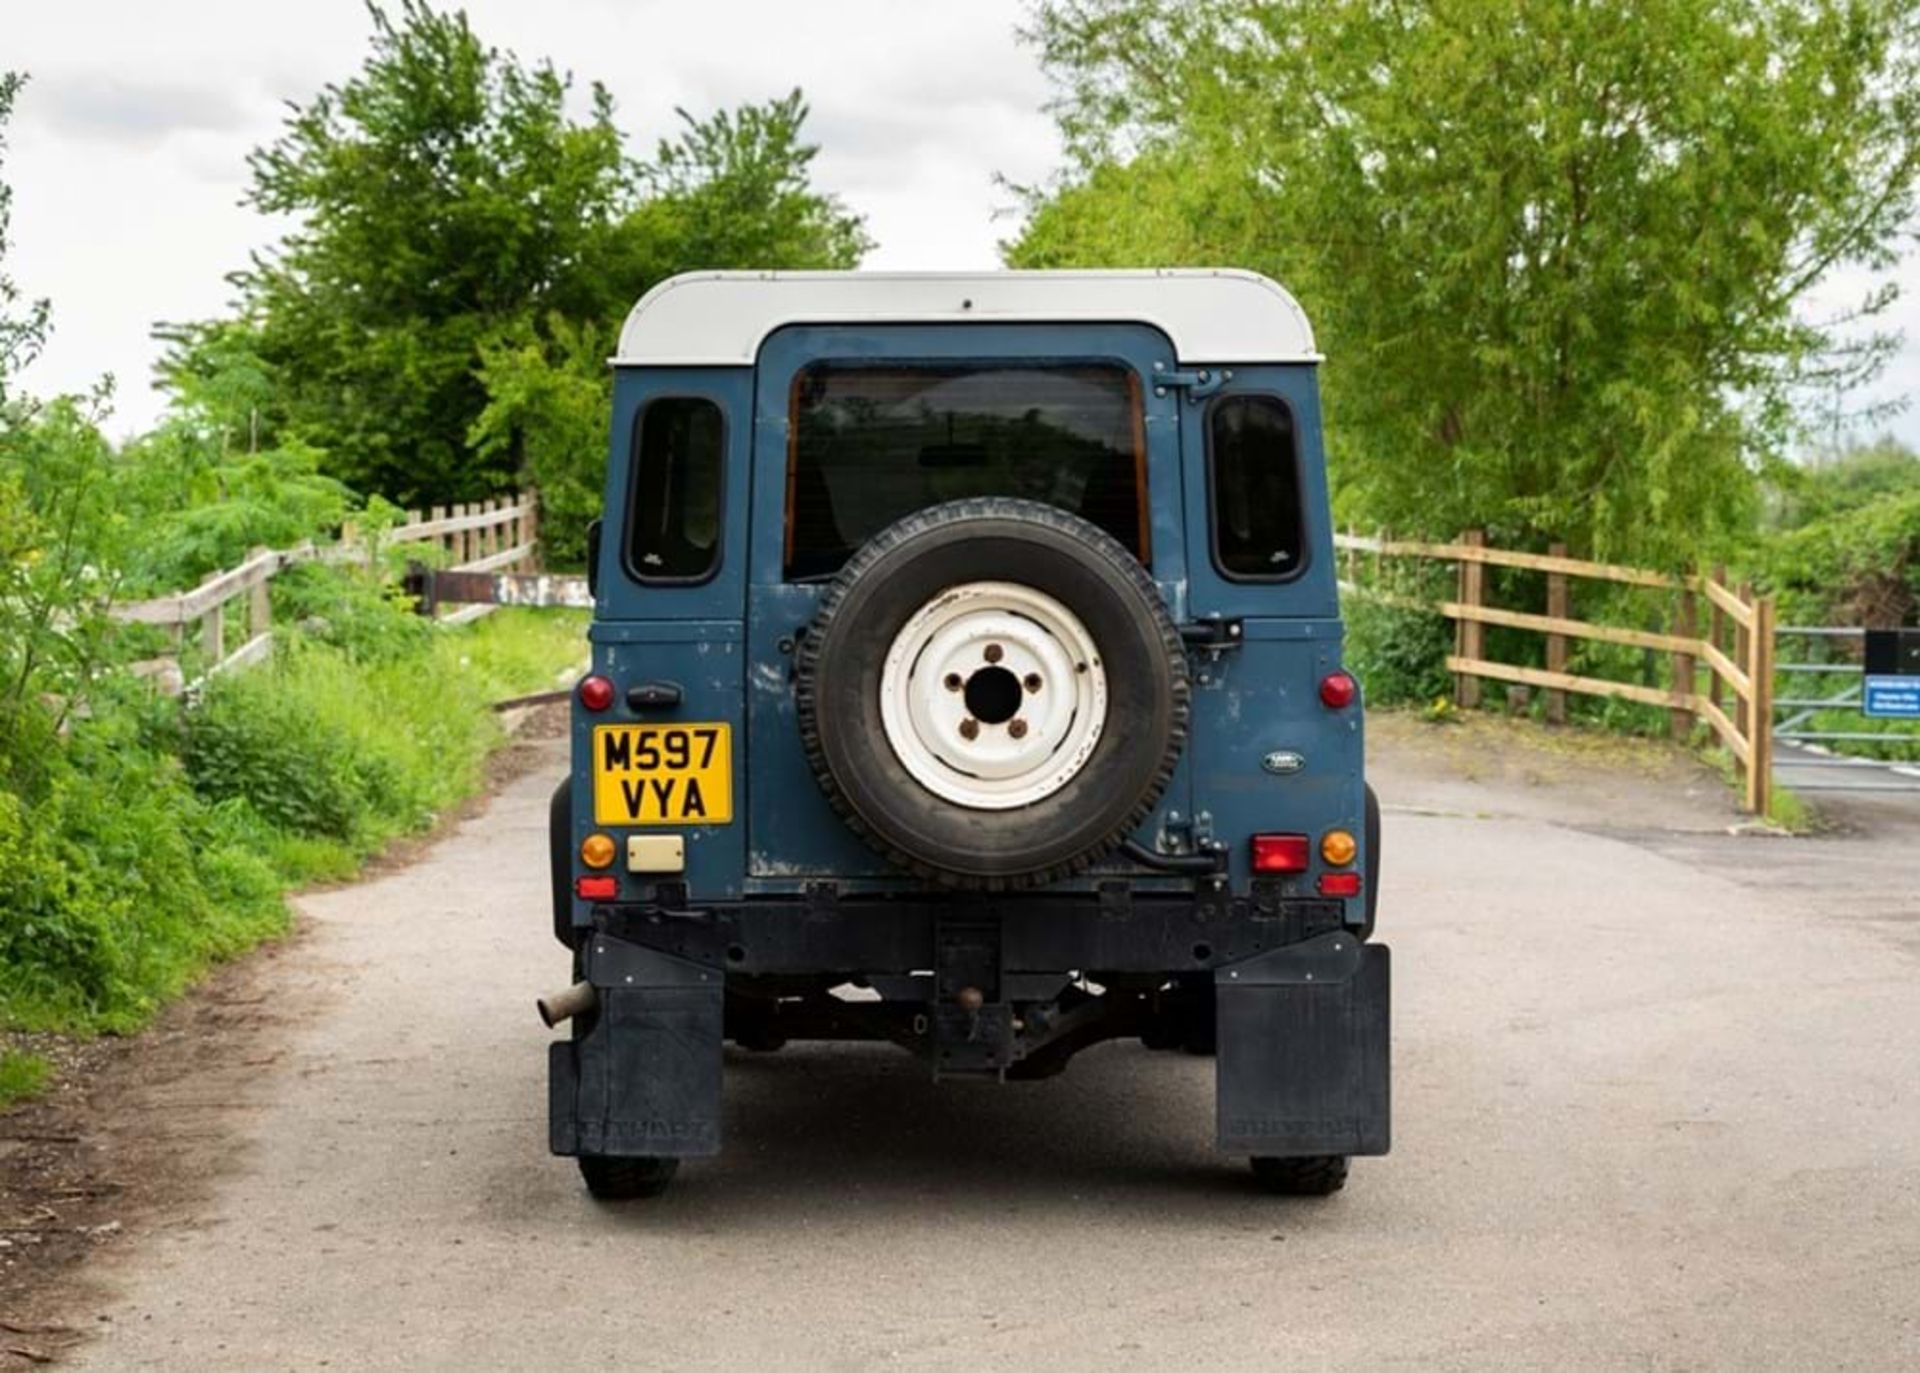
(22, 1076)
(155, 839)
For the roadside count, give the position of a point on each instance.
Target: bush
(1398, 653)
(337, 754)
(155, 839)
(118, 884)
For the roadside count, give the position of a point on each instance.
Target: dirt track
(1657, 1103)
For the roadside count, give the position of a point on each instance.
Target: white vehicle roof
(720, 319)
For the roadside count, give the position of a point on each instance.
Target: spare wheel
(992, 693)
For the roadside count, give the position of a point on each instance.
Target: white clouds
(128, 149)
(131, 110)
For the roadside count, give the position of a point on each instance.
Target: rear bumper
(1301, 1007)
(1113, 930)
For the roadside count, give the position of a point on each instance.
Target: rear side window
(1254, 480)
(673, 528)
(870, 444)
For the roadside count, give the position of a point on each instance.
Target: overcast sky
(128, 147)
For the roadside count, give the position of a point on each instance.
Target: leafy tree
(23, 333)
(731, 191)
(1843, 544)
(547, 411)
(1557, 253)
(442, 194)
(456, 227)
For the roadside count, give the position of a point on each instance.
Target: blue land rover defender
(966, 674)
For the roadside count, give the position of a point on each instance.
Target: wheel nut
(969, 728)
(953, 681)
(1033, 681)
(994, 653)
(1017, 728)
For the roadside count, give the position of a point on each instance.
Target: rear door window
(673, 527)
(871, 444)
(1254, 489)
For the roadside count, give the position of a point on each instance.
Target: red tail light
(596, 693)
(1337, 690)
(596, 888)
(1280, 853)
(1340, 884)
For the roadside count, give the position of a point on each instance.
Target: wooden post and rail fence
(1735, 654)
(234, 607)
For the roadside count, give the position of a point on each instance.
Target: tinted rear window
(1255, 478)
(872, 444)
(673, 530)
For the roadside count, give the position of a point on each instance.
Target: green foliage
(22, 329)
(733, 190)
(58, 525)
(1845, 543)
(117, 884)
(141, 839)
(437, 324)
(22, 1076)
(369, 619)
(1555, 253)
(156, 840)
(441, 192)
(353, 748)
(547, 408)
(1399, 653)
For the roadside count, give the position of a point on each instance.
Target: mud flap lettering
(645, 1080)
(1303, 1050)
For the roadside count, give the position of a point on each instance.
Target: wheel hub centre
(993, 695)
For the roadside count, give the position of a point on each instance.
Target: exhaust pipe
(575, 1000)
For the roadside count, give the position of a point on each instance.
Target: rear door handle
(653, 696)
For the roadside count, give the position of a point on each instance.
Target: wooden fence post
(1470, 636)
(213, 635)
(1743, 655)
(530, 526)
(260, 603)
(1716, 635)
(1759, 666)
(1680, 720)
(1560, 606)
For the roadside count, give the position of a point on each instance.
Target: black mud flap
(644, 1080)
(1302, 1066)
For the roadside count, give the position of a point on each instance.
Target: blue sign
(1892, 698)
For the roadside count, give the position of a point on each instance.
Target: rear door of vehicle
(1266, 754)
(668, 758)
(829, 397)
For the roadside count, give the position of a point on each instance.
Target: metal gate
(1825, 730)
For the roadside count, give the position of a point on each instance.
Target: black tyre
(1314, 1175)
(1090, 656)
(627, 1179)
(560, 861)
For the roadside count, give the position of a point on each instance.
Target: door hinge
(1197, 384)
(1212, 633)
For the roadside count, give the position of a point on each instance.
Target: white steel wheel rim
(980, 634)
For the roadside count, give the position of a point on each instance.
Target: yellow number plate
(662, 775)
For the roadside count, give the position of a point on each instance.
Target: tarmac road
(1657, 1103)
